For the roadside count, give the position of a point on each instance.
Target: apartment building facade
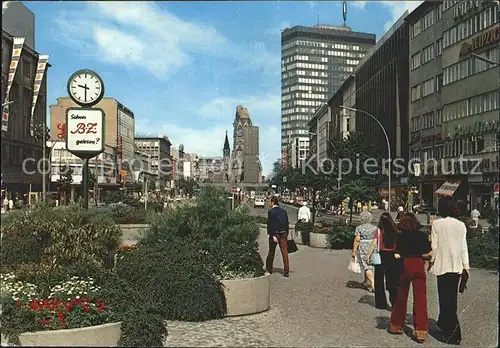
(17, 144)
(426, 84)
(158, 150)
(382, 90)
(314, 62)
(471, 97)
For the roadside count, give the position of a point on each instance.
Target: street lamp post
(387, 141)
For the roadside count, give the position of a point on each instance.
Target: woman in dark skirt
(390, 269)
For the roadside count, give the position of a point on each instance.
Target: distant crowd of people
(392, 256)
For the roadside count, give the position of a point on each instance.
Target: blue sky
(183, 67)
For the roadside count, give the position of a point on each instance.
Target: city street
(316, 308)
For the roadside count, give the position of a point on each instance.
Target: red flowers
(55, 313)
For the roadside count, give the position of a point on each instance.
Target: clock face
(86, 87)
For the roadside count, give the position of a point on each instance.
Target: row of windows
(320, 52)
(305, 65)
(470, 66)
(293, 125)
(297, 110)
(290, 133)
(286, 119)
(303, 95)
(305, 73)
(470, 26)
(455, 148)
(304, 88)
(426, 55)
(349, 47)
(427, 120)
(470, 146)
(288, 104)
(474, 105)
(427, 21)
(313, 81)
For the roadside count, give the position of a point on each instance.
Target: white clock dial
(85, 88)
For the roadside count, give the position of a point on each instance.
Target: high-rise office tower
(314, 63)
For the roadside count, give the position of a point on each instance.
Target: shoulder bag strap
(379, 235)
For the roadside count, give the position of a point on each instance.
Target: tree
(187, 186)
(65, 180)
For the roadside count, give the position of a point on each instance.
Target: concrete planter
(247, 296)
(106, 335)
(318, 240)
(132, 233)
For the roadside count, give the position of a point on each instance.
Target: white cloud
(357, 4)
(143, 35)
(397, 9)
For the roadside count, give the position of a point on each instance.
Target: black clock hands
(85, 88)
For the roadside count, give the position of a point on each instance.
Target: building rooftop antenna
(344, 12)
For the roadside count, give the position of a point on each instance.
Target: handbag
(354, 266)
(375, 257)
(463, 281)
(291, 246)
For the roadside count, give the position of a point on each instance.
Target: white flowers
(74, 286)
(11, 287)
(24, 291)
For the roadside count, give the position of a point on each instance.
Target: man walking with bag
(277, 230)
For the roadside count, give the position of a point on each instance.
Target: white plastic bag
(354, 266)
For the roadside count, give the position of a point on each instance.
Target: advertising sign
(85, 131)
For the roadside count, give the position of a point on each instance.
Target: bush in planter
(125, 214)
(341, 235)
(177, 277)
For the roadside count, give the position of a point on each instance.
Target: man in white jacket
(450, 258)
(304, 213)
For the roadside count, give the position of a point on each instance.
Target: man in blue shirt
(277, 230)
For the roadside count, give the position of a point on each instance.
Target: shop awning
(448, 188)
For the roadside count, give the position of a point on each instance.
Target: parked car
(259, 202)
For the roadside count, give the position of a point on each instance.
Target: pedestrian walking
(11, 204)
(362, 240)
(474, 214)
(450, 260)
(413, 247)
(277, 230)
(400, 214)
(304, 213)
(389, 269)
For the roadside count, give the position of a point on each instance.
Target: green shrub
(483, 249)
(59, 236)
(177, 277)
(341, 235)
(142, 324)
(125, 214)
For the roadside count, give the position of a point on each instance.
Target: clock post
(85, 125)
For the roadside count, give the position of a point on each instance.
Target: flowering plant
(12, 288)
(59, 314)
(74, 287)
(127, 247)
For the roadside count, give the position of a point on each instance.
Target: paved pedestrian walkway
(316, 308)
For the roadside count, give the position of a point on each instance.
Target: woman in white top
(450, 258)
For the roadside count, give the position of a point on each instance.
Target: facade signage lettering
(476, 128)
(85, 131)
(485, 39)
